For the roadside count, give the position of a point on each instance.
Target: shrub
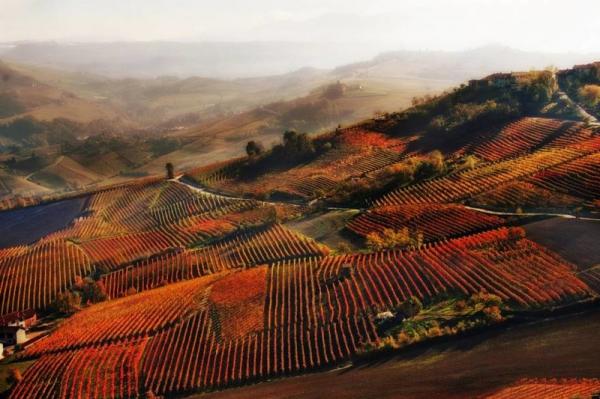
(344, 248)
(493, 313)
(411, 307)
(390, 238)
(433, 165)
(254, 148)
(66, 303)
(590, 95)
(460, 306)
(93, 291)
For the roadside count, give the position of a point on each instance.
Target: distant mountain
(458, 66)
(24, 95)
(209, 59)
(231, 60)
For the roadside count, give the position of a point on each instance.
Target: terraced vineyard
(293, 315)
(461, 186)
(526, 135)
(31, 277)
(355, 152)
(276, 243)
(550, 388)
(132, 224)
(201, 289)
(434, 221)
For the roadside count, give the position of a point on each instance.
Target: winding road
(198, 188)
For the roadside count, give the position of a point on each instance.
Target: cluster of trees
(315, 112)
(31, 132)
(334, 91)
(411, 323)
(590, 95)
(84, 292)
(412, 170)
(583, 84)
(312, 115)
(163, 145)
(294, 149)
(471, 107)
(467, 116)
(390, 238)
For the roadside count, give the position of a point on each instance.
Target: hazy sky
(545, 25)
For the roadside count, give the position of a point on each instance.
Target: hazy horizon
(528, 25)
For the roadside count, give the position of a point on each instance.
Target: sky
(535, 25)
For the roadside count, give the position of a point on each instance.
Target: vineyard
(550, 388)
(434, 221)
(525, 195)
(104, 371)
(526, 135)
(355, 152)
(292, 315)
(275, 243)
(203, 288)
(142, 224)
(592, 278)
(461, 186)
(31, 277)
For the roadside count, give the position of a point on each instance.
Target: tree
(93, 291)
(390, 238)
(411, 307)
(470, 162)
(590, 94)
(433, 165)
(297, 146)
(66, 303)
(170, 170)
(254, 148)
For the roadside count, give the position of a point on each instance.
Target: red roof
(16, 316)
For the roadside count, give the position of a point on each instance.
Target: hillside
(65, 173)
(323, 109)
(21, 95)
(414, 235)
(198, 120)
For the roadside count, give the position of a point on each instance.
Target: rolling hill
(21, 95)
(65, 173)
(208, 281)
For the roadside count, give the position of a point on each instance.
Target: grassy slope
(574, 240)
(65, 173)
(17, 185)
(326, 228)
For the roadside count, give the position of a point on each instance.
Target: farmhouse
(24, 319)
(12, 335)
